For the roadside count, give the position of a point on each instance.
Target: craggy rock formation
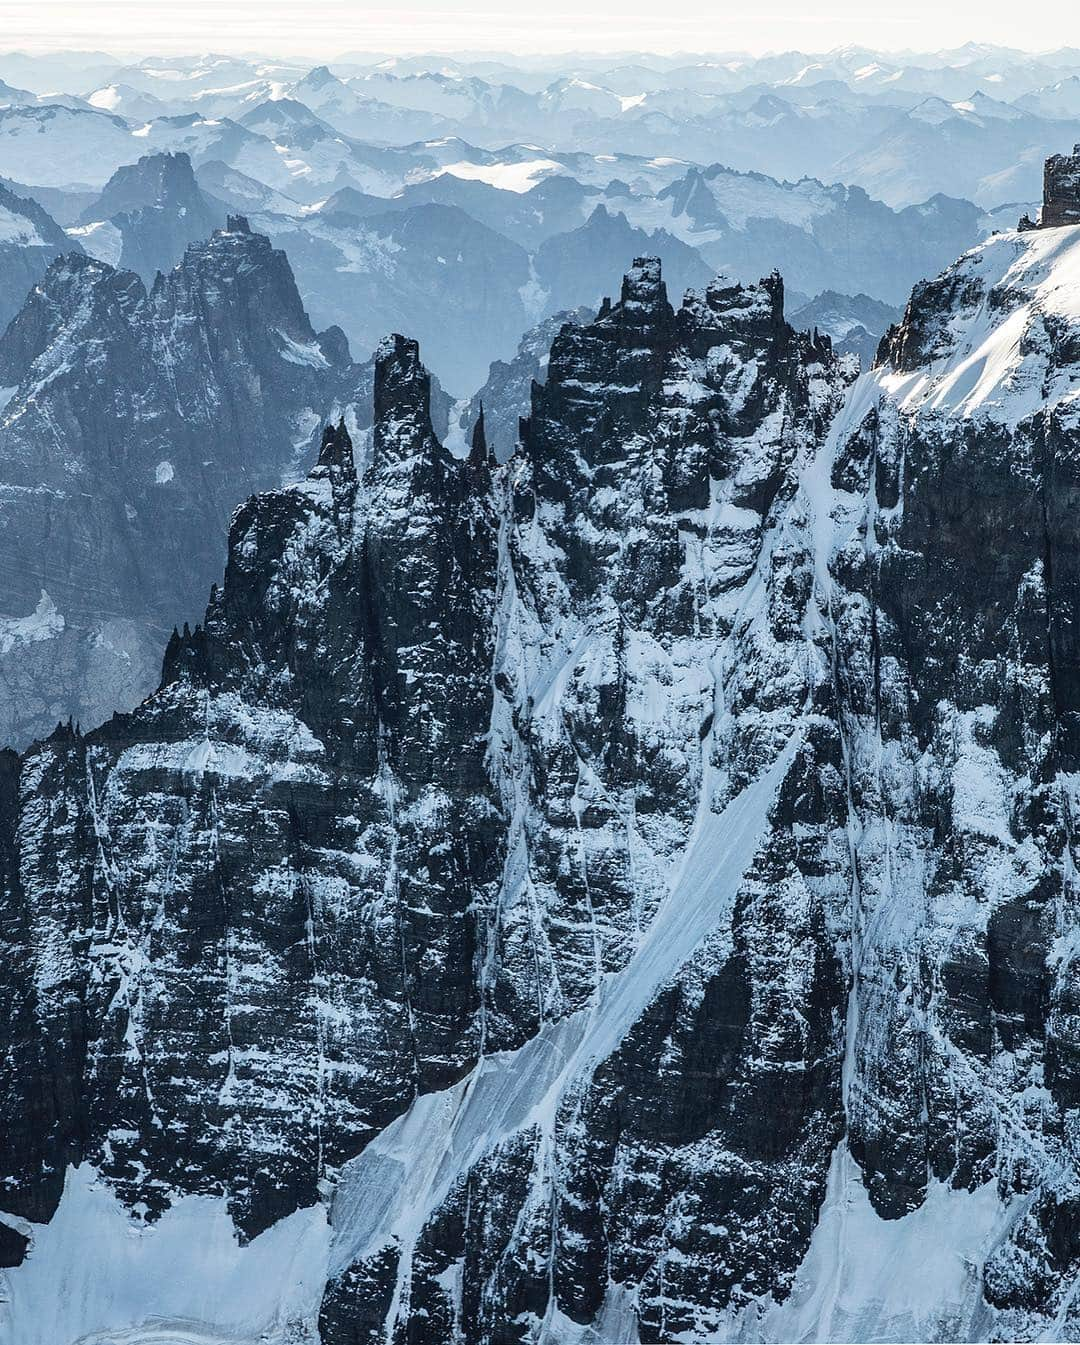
(1061, 190)
(328, 851)
(147, 215)
(136, 422)
(626, 894)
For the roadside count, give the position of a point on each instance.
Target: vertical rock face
(136, 423)
(1061, 190)
(627, 893)
(955, 598)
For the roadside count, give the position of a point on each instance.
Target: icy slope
(994, 337)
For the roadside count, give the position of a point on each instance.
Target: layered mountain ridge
(625, 893)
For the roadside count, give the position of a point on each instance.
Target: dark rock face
(320, 819)
(157, 208)
(628, 889)
(395, 769)
(1061, 190)
(137, 423)
(655, 467)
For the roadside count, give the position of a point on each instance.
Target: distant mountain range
(974, 123)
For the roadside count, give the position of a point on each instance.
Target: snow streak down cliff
(134, 424)
(623, 894)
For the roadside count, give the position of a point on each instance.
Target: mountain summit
(147, 215)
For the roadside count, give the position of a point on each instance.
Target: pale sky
(324, 28)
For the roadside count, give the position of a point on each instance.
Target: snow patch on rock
(44, 623)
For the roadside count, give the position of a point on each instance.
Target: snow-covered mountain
(55, 146)
(468, 291)
(599, 865)
(621, 894)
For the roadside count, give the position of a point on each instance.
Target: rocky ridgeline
(137, 421)
(626, 887)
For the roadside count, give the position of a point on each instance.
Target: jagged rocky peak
(424, 781)
(104, 300)
(156, 180)
(402, 398)
(643, 289)
(641, 359)
(317, 77)
(1061, 190)
(750, 315)
(479, 452)
(507, 392)
(333, 704)
(258, 295)
(152, 209)
(957, 318)
(138, 422)
(336, 450)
